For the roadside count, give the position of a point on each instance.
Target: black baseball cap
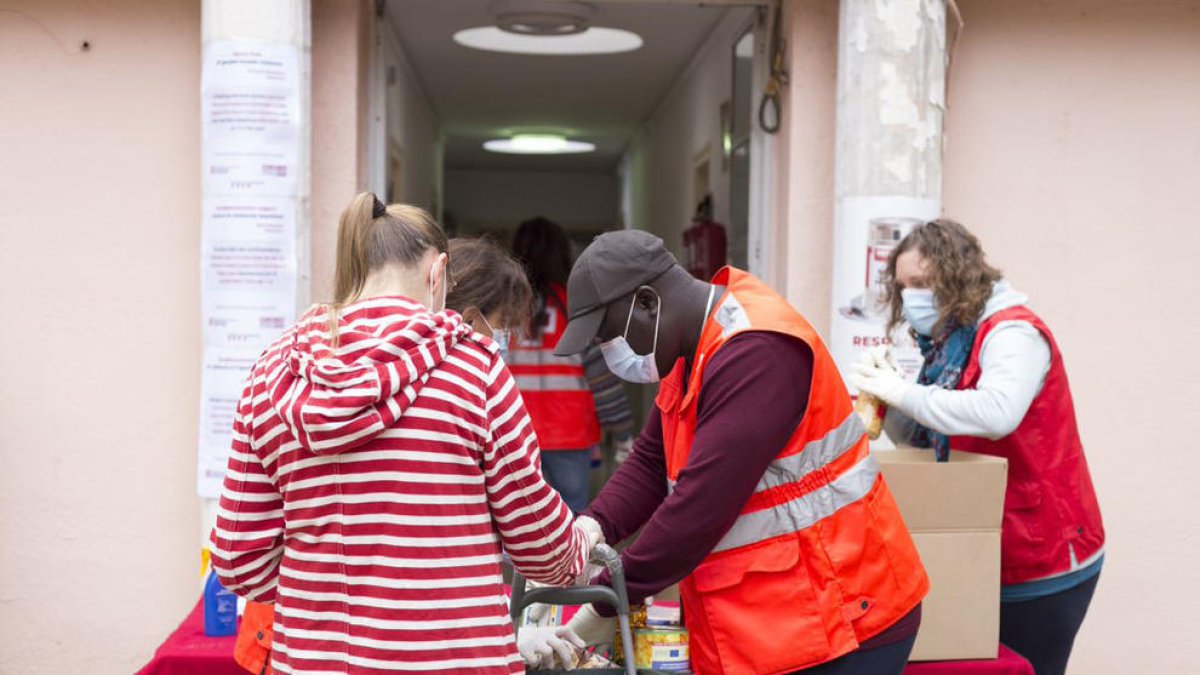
(614, 265)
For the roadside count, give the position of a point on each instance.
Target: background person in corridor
(570, 398)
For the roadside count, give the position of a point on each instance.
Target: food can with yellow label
(661, 649)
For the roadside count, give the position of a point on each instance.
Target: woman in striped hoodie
(382, 460)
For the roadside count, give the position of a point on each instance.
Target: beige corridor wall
(682, 132)
(99, 287)
(1073, 150)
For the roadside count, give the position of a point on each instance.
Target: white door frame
(763, 223)
(377, 122)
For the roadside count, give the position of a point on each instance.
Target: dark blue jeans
(568, 471)
(884, 660)
(1043, 629)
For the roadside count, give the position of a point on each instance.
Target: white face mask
(445, 267)
(628, 364)
(920, 309)
(500, 337)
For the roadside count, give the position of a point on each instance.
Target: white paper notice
(250, 108)
(868, 229)
(250, 118)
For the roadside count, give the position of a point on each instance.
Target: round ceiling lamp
(537, 144)
(542, 17)
(546, 27)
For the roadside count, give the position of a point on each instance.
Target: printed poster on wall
(869, 228)
(250, 107)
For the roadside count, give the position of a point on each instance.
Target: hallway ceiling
(478, 95)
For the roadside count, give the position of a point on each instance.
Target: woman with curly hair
(993, 382)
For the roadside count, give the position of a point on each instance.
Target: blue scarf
(945, 359)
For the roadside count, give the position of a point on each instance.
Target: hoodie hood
(1004, 296)
(335, 399)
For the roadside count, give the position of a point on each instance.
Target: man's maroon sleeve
(636, 489)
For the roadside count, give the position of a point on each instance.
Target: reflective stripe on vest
(803, 512)
(528, 383)
(522, 356)
(815, 455)
(541, 370)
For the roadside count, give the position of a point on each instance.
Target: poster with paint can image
(869, 229)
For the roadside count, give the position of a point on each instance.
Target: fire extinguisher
(704, 243)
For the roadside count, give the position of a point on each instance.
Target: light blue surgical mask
(920, 309)
(628, 364)
(500, 337)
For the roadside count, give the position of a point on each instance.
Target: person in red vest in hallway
(751, 482)
(994, 382)
(570, 398)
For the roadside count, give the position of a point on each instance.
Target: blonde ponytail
(371, 236)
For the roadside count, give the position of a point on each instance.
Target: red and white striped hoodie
(372, 487)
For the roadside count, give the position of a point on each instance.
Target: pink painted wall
(1073, 150)
(339, 100)
(99, 284)
(99, 276)
(805, 155)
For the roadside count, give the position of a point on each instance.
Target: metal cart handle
(616, 597)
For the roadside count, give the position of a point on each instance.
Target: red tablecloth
(1008, 663)
(188, 651)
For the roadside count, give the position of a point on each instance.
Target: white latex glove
(623, 448)
(880, 356)
(592, 628)
(591, 529)
(882, 381)
(538, 646)
(595, 536)
(537, 611)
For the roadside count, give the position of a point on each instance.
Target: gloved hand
(592, 628)
(880, 378)
(539, 645)
(880, 356)
(537, 611)
(595, 536)
(591, 529)
(623, 448)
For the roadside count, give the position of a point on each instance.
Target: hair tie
(378, 209)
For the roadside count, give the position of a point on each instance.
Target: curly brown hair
(959, 275)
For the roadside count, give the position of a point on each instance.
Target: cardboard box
(954, 511)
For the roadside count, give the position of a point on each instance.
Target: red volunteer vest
(1051, 516)
(555, 388)
(819, 559)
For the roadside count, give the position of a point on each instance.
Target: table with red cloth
(188, 651)
(1007, 663)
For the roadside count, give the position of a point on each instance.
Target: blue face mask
(920, 309)
(500, 337)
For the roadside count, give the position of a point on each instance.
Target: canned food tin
(661, 649)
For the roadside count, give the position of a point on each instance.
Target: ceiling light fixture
(546, 27)
(537, 144)
(542, 17)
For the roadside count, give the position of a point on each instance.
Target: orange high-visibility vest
(555, 388)
(819, 559)
(252, 650)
